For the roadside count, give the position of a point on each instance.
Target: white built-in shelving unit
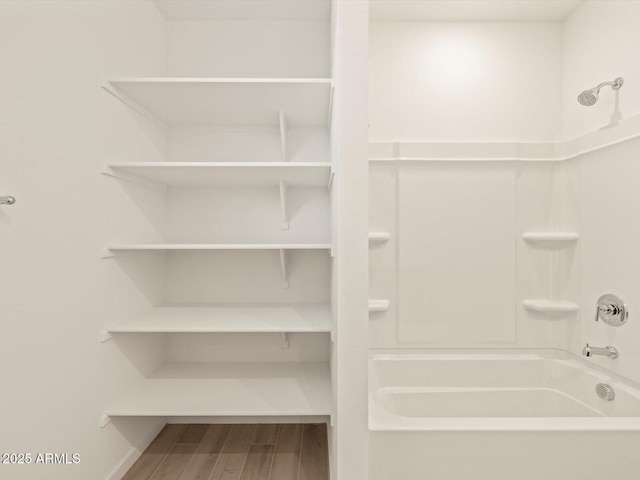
(247, 388)
(227, 101)
(166, 247)
(250, 318)
(280, 175)
(244, 174)
(229, 389)
(283, 249)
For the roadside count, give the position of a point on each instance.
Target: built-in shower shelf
(245, 174)
(550, 240)
(379, 237)
(378, 305)
(227, 101)
(229, 389)
(550, 306)
(248, 318)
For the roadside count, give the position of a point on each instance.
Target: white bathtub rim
(401, 390)
(517, 354)
(382, 420)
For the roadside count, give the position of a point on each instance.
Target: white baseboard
(136, 451)
(234, 420)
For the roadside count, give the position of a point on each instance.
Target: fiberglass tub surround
(496, 390)
(503, 241)
(500, 415)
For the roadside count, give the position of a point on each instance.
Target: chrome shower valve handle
(7, 200)
(611, 310)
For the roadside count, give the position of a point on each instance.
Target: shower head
(590, 97)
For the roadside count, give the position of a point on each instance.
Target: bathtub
(499, 415)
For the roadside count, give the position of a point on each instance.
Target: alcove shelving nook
(378, 239)
(237, 267)
(559, 247)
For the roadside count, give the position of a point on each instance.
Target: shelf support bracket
(106, 252)
(110, 172)
(331, 175)
(283, 136)
(129, 102)
(283, 267)
(105, 336)
(284, 340)
(283, 204)
(104, 420)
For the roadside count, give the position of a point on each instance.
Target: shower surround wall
(600, 43)
(456, 222)
(457, 269)
(465, 82)
(593, 194)
(462, 276)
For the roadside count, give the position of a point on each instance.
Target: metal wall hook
(7, 200)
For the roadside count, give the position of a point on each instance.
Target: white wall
(248, 48)
(465, 82)
(57, 294)
(600, 41)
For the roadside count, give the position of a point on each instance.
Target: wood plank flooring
(235, 452)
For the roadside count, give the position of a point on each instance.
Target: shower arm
(616, 84)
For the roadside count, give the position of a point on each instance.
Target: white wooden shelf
(277, 318)
(226, 101)
(282, 248)
(166, 247)
(202, 174)
(246, 174)
(550, 306)
(379, 237)
(550, 240)
(378, 305)
(229, 389)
